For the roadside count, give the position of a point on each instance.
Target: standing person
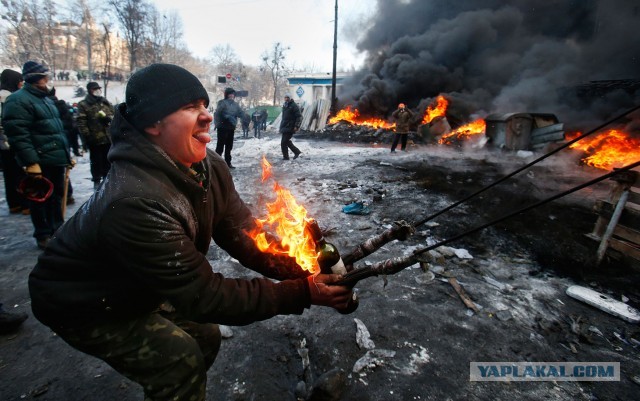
(257, 123)
(264, 115)
(403, 118)
(94, 116)
(36, 134)
(11, 81)
(226, 119)
(291, 119)
(127, 279)
(246, 120)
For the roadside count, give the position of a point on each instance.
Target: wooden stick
(462, 294)
(65, 191)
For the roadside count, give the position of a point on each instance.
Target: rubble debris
(356, 208)
(329, 387)
(372, 359)
(604, 303)
(363, 338)
(225, 331)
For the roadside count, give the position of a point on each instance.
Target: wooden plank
(634, 197)
(624, 248)
(629, 218)
(627, 234)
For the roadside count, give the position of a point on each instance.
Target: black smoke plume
(489, 56)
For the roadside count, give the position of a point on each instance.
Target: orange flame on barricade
(613, 148)
(476, 127)
(354, 117)
(435, 111)
(287, 220)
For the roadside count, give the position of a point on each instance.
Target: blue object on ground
(356, 208)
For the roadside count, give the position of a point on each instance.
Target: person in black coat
(291, 120)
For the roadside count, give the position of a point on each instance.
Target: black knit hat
(158, 90)
(9, 80)
(229, 91)
(93, 85)
(33, 72)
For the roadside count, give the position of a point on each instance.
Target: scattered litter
(604, 303)
(524, 153)
(225, 331)
(504, 315)
(425, 278)
(363, 338)
(356, 208)
(372, 359)
(462, 253)
(624, 299)
(497, 284)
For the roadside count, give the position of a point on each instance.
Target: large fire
(354, 117)
(287, 220)
(613, 148)
(476, 127)
(438, 110)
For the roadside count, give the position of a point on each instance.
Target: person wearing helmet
(127, 279)
(226, 118)
(36, 134)
(403, 117)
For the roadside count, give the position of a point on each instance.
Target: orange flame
(266, 169)
(287, 220)
(614, 148)
(354, 117)
(439, 110)
(476, 127)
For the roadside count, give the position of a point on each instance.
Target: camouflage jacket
(94, 117)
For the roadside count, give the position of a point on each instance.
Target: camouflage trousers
(169, 357)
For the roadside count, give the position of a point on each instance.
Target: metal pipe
(604, 243)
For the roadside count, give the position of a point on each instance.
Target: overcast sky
(252, 26)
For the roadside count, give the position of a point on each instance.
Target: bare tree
(133, 17)
(224, 58)
(30, 32)
(273, 60)
(106, 42)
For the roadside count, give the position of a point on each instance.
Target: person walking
(11, 81)
(128, 280)
(291, 119)
(226, 118)
(94, 117)
(403, 118)
(36, 134)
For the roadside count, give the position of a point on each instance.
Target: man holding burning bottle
(127, 279)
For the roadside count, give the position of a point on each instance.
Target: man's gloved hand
(335, 296)
(33, 169)
(104, 118)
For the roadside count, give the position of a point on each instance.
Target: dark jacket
(142, 239)
(403, 119)
(291, 117)
(227, 114)
(93, 128)
(33, 126)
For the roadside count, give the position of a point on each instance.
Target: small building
(306, 88)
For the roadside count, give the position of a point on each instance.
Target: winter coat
(291, 118)
(403, 120)
(142, 239)
(4, 141)
(93, 128)
(227, 114)
(35, 131)
(9, 81)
